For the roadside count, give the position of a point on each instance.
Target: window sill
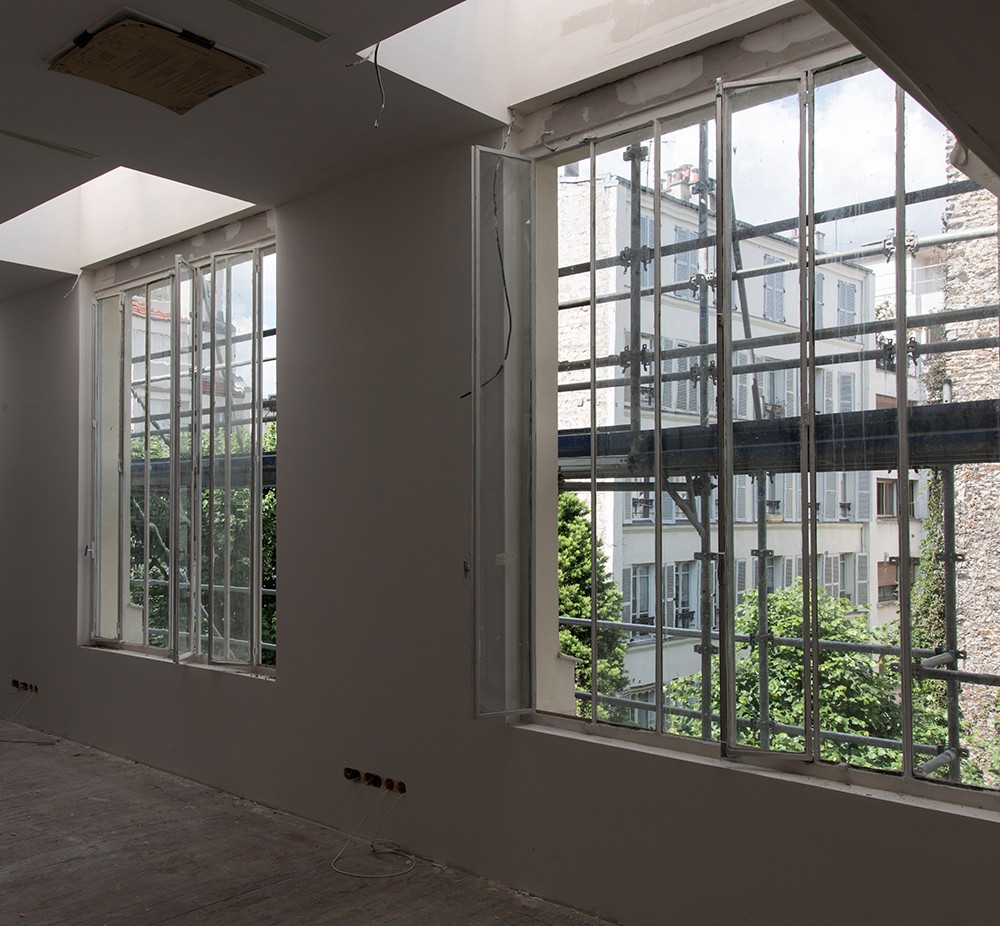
(163, 657)
(929, 794)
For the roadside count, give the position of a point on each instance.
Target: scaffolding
(687, 462)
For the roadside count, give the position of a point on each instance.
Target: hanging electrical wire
(373, 57)
(503, 272)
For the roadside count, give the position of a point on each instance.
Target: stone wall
(971, 279)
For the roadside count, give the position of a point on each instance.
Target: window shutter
(646, 237)
(774, 291)
(668, 510)
(742, 389)
(846, 392)
(835, 569)
(627, 592)
(828, 391)
(820, 280)
(791, 394)
(798, 567)
(861, 594)
(788, 501)
(789, 564)
(846, 306)
(625, 393)
(850, 492)
(685, 263)
(666, 367)
(830, 512)
(668, 592)
(741, 578)
(863, 491)
(686, 392)
(740, 498)
(827, 573)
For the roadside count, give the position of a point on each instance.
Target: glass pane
(501, 397)
(955, 607)
(108, 459)
(230, 445)
(268, 399)
(855, 396)
(771, 635)
(153, 414)
(186, 446)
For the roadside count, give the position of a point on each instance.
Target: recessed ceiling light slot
(51, 145)
(280, 19)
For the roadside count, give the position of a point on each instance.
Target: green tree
(859, 692)
(575, 589)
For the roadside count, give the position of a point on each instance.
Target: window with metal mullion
(762, 731)
(184, 463)
(232, 556)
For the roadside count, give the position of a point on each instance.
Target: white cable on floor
(377, 848)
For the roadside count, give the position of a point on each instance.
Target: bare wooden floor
(88, 838)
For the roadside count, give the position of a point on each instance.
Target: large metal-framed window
(798, 178)
(185, 462)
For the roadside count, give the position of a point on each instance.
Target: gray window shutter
(627, 592)
(820, 280)
(666, 367)
(846, 383)
(685, 392)
(741, 392)
(791, 393)
(625, 393)
(863, 492)
(740, 498)
(846, 314)
(788, 499)
(798, 567)
(646, 237)
(861, 579)
(830, 512)
(774, 291)
(741, 577)
(789, 569)
(668, 593)
(669, 512)
(685, 263)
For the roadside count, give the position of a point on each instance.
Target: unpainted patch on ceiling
(176, 70)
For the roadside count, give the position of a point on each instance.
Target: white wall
(375, 639)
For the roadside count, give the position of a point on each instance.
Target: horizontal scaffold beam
(939, 435)
(239, 473)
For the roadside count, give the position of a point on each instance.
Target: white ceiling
(307, 121)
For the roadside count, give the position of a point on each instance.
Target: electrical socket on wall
(373, 780)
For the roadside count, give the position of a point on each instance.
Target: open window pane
(501, 397)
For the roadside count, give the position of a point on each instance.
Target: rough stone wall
(971, 279)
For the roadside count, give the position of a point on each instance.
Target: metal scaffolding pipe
(743, 231)
(847, 332)
(746, 723)
(948, 757)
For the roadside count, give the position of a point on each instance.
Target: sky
(855, 158)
